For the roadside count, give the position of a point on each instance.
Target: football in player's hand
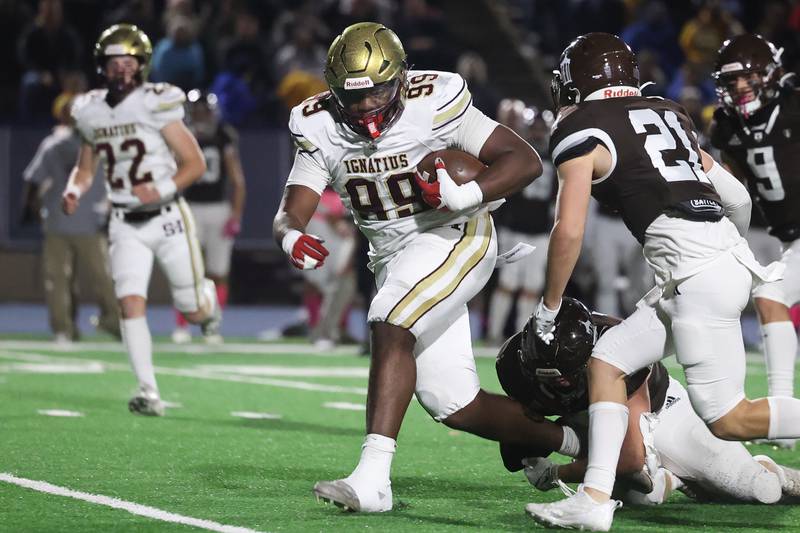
(461, 166)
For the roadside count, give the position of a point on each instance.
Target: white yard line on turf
(227, 348)
(190, 373)
(345, 406)
(131, 507)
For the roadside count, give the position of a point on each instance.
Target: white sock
(499, 308)
(525, 308)
(608, 422)
(375, 464)
(780, 349)
(210, 296)
(139, 344)
(571, 445)
(784, 418)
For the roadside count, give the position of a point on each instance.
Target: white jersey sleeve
(307, 171)
(163, 104)
(309, 167)
(80, 112)
(462, 124)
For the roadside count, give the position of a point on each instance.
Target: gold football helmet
(366, 72)
(124, 40)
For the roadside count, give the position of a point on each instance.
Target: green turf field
(202, 462)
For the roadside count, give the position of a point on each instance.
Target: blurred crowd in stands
(262, 57)
(676, 41)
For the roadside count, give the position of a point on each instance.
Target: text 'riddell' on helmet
(747, 73)
(366, 73)
(123, 40)
(595, 65)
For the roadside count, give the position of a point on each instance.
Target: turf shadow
(697, 515)
(78, 402)
(444, 487)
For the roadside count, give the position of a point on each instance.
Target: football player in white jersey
(364, 138)
(135, 128)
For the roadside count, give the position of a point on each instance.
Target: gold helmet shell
(124, 40)
(365, 50)
(367, 58)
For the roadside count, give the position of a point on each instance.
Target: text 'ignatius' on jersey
(375, 178)
(127, 137)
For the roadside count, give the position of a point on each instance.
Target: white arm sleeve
(307, 171)
(473, 130)
(734, 195)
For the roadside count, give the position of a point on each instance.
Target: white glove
(541, 472)
(444, 193)
(546, 321)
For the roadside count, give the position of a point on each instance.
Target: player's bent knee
(771, 311)
(600, 371)
(464, 418)
(132, 306)
(194, 302)
(454, 408)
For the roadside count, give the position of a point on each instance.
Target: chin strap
(646, 84)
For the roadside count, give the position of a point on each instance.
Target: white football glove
(546, 321)
(444, 193)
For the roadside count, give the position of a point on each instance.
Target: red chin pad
(372, 123)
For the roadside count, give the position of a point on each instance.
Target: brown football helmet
(748, 73)
(592, 62)
(562, 362)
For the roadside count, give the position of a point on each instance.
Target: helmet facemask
(117, 83)
(760, 87)
(564, 93)
(366, 73)
(747, 74)
(122, 41)
(384, 103)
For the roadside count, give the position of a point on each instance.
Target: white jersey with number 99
(375, 178)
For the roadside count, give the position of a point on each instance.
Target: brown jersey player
(640, 156)
(667, 447)
(757, 128)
